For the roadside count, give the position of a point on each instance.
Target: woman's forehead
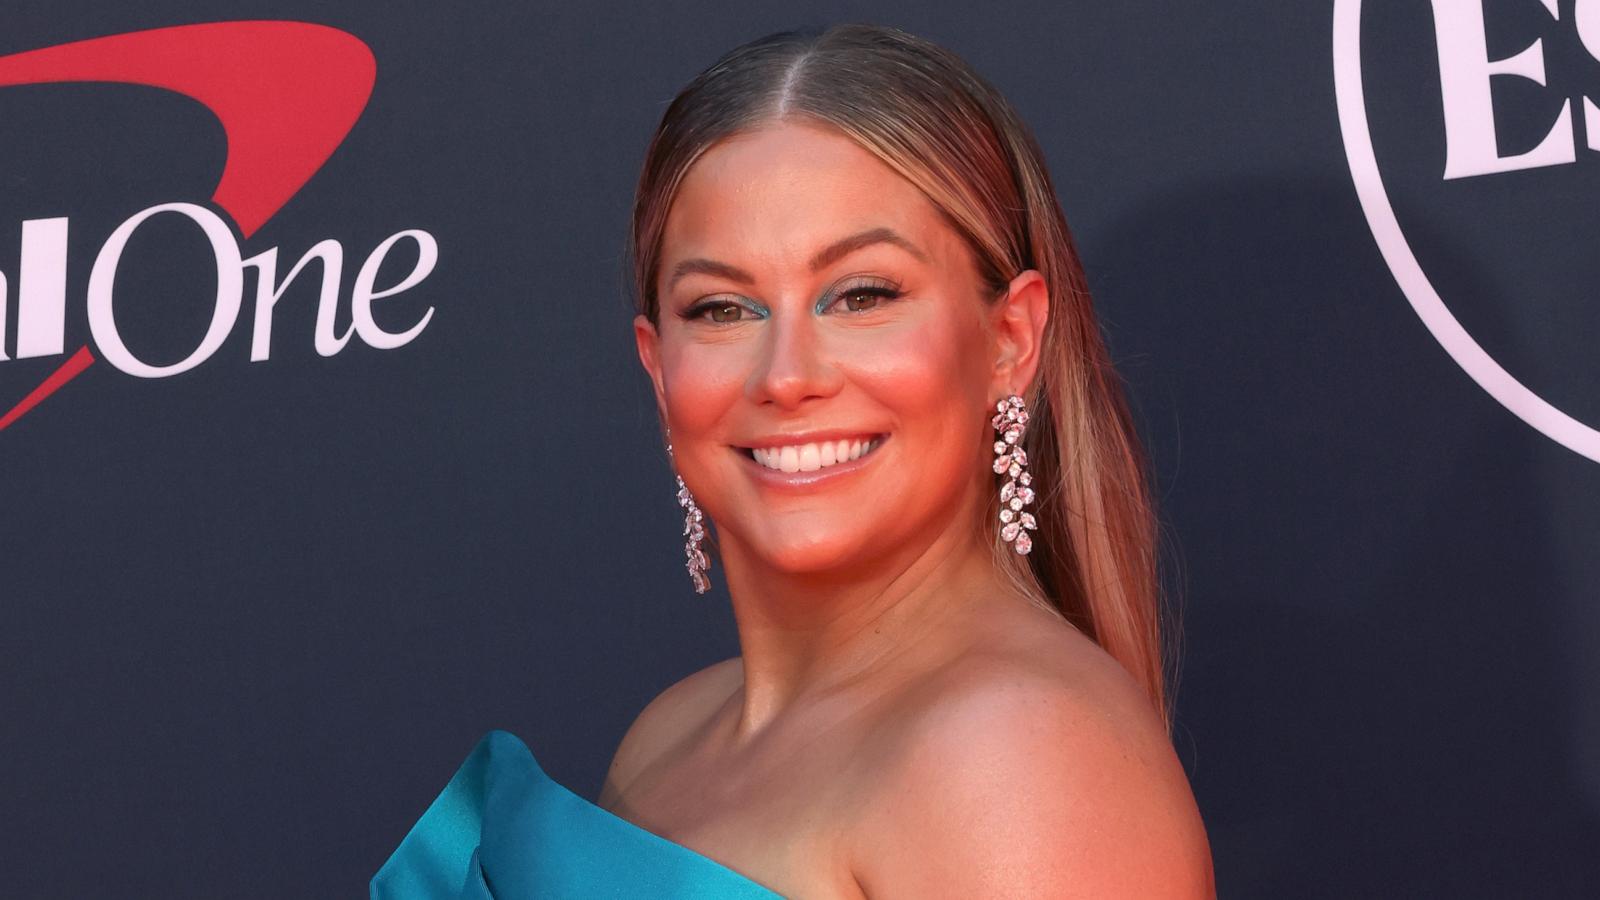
(790, 163)
(790, 191)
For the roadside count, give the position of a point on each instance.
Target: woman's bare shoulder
(674, 713)
(1032, 765)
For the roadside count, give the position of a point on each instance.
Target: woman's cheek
(701, 383)
(914, 368)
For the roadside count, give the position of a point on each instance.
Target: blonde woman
(901, 442)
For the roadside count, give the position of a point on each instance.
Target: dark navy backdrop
(253, 615)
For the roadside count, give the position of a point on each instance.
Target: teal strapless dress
(504, 830)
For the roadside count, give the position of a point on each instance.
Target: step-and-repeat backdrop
(324, 446)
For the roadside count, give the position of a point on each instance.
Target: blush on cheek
(921, 373)
(702, 386)
(933, 382)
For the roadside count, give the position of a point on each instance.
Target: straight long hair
(928, 115)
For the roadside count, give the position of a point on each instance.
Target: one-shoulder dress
(504, 830)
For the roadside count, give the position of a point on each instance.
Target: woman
(884, 391)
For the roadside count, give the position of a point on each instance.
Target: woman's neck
(803, 637)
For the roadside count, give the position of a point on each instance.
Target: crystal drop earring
(1010, 423)
(693, 530)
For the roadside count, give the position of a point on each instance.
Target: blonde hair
(927, 114)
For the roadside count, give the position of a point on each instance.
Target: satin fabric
(504, 830)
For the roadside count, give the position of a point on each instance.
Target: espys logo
(1500, 163)
(286, 95)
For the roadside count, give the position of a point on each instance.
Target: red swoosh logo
(286, 94)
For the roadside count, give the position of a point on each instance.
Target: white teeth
(811, 457)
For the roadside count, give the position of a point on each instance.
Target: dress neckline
(643, 833)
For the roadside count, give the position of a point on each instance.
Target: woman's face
(823, 358)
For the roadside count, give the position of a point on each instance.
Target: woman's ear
(649, 343)
(1018, 322)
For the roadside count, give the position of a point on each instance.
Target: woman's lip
(813, 437)
(780, 479)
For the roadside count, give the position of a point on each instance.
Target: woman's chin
(815, 556)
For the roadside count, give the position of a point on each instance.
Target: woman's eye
(856, 301)
(721, 313)
(725, 312)
(866, 299)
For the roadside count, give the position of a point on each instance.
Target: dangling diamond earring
(1009, 424)
(693, 529)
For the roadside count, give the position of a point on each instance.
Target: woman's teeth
(811, 457)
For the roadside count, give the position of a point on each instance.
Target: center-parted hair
(928, 115)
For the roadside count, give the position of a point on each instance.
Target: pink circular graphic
(1424, 298)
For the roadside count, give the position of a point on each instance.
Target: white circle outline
(1425, 300)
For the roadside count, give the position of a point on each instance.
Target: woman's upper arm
(1020, 786)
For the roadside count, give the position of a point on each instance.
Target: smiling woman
(881, 383)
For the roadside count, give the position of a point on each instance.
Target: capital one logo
(286, 94)
(1480, 95)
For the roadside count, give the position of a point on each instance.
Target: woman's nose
(792, 366)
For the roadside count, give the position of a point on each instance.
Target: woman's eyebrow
(828, 255)
(881, 235)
